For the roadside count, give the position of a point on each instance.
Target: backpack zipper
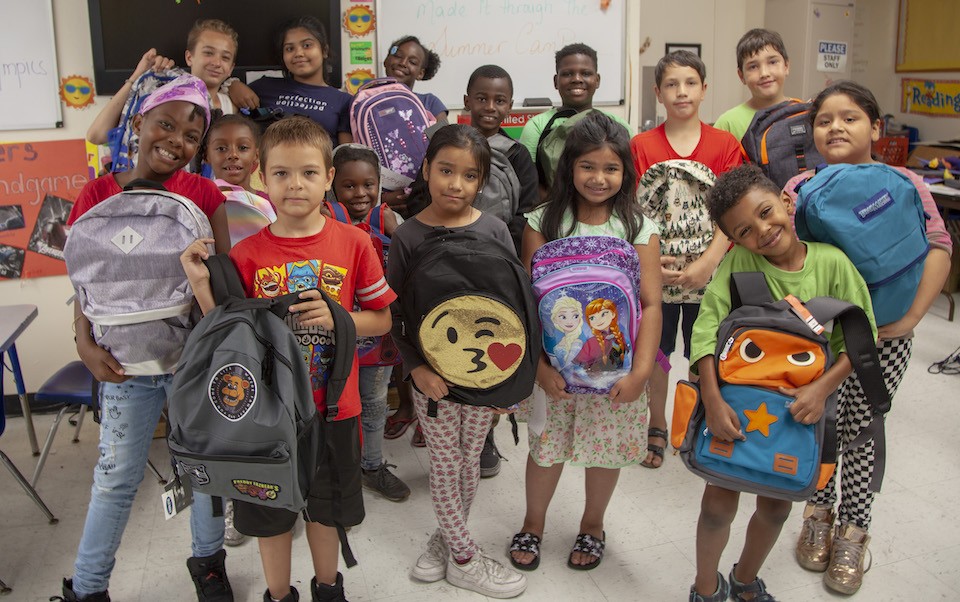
(263, 341)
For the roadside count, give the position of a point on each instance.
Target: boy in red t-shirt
(681, 87)
(303, 250)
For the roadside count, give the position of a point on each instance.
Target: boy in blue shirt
(748, 207)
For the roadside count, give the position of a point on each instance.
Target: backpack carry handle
(224, 280)
(140, 183)
(749, 288)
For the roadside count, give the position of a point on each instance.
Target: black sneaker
(386, 483)
(489, 458)
(210, 578)
(68, 595)
(293, 596)
(328, 593)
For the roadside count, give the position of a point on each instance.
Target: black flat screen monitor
(122, 30)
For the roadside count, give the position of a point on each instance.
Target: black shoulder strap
(862, 351)
(749, 288)
(144, 183)
(345, 332)
(224, 280)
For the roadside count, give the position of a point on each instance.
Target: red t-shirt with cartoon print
(341, 261)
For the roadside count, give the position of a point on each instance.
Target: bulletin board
(519, 35)
(927, 35)
(38, 183)
(29, 84)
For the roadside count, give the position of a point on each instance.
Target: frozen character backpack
(123, 258)
(387, 117)
(874, 214)
(673, 194)
(586, 289)
(762, 345)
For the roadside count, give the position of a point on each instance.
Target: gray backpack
(780, 141)
(500, 195)
(243, 424)
(242, 416)
(123, 258)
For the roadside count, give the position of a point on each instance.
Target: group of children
(594, 192)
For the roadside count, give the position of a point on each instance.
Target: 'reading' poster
(38, 184)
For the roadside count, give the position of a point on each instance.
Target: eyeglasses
(72, 89)
(355, 18)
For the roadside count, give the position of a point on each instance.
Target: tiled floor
(650, 524)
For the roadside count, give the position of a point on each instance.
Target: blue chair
(27, 487)
(73, 385)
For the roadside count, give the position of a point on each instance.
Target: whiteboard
(519, 35)
(29, 88)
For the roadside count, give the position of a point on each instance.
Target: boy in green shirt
(762, 66)
(748, 207)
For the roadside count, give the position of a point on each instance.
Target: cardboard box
(932, 150)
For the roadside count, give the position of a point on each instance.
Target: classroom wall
(875, 49)
(717, 24)
(48, 343)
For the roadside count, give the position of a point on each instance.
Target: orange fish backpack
(763, 345)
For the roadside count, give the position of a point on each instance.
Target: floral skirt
(587, 430)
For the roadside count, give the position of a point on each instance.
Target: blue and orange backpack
(762, 345)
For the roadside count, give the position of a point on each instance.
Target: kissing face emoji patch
(473, 341)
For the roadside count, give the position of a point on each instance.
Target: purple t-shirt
(324, 104)
(431, 103)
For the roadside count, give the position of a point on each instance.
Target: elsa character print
(567, 317)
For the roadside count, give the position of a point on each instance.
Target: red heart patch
(504, 355)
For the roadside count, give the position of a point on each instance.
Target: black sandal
(657, 450)
(525, 542)
(587, 544)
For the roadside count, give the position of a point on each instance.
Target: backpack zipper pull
(726, 349)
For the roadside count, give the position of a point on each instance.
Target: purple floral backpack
(386, 116)
(587, 290)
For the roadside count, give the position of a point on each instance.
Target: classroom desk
(948, 199)
(14, 319)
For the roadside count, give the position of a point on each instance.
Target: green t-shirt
(532, 129)
(826, 272)
(736, 120)
(612, 227)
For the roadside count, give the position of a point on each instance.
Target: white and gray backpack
(123, 258)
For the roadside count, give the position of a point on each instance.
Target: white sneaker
(486, 576)
(231, 536)
(432, 564)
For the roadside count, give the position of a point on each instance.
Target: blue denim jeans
(129, 412)
(374, 381)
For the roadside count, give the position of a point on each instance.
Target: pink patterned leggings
(454, 441)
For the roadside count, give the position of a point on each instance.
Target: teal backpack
(874, 214)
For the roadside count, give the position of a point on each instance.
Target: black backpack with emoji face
(468, 308)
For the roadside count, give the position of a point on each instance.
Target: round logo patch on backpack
(473, 341)
(233, 391)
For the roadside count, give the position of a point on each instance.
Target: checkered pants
(853, 413)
